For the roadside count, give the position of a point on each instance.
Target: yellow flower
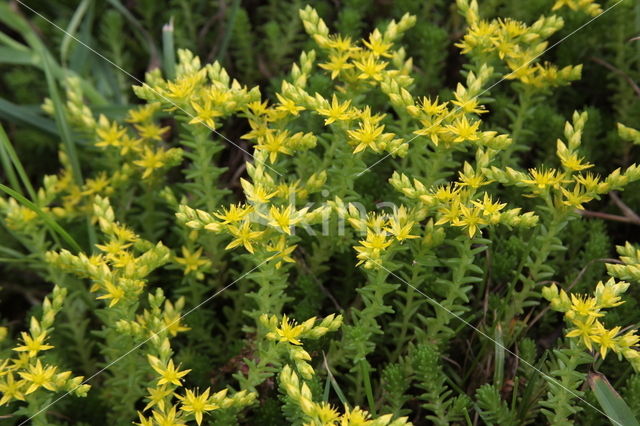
(336, 112)
(326, 413)
(282, 251)
(376, 44)
(607, 339)
(157, 396)
(169, 374)
(471, 178)
(39, 376)
(129, 144)
(463, 130)
(400, 227)
(171, 318)
(144, 421)
(197, 404)
(375, 241)
(470, 218)
(572, 162)
(542, 179)
(288, 105)
(607, 295)
(142, 113)
(256, 193)
(585, 306)
(589, 181)
(33, 345)
(469, 106)
(169, 418)
(110, 136)
(274, 143)
(287, 332)
(340, 43)
(243, 236)
(10, 389)
(182, 88)
(355, 417)
(337, 63)
(370, 68)
(115, 293)
(205, 114)
(576, 197)
(369, 135)
(586, 330)
(488, 206)
(151, 131)
(150, 161)
(284, 218)
(192, 262)
(235, 213)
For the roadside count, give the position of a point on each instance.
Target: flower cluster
(322, 413)
(118, 272)
(589, 7)
(169, 402)
(584, 314)
(570, 187)
(516, 45)
(29, 374)
(288, 334)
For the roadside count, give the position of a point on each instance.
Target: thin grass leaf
(368, 390)
(8, 170)
(11, 155)
(334, 383)
(72, 28)
(11, 56)
(61, 121)
(228, 31)
(46, 218)
(65, 132)
(140, 32)
(21, 114)
(327, 389)
(611, 402)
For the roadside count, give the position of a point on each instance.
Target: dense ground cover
(358, 212)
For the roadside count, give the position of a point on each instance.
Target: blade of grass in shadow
(228, 31)
(72, 28)
(11, 155)
(65, 133)
(12, 56)
(37, 49)
(334, 383)
(140, 32)
(8, 170)
(46, 218)
(21, 114)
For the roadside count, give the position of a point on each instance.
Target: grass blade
(611, 402)
(365, 368)
(21, 114)
(46, 218)
(334, 383)
(15, 161)
(76, 19)
(65, 133)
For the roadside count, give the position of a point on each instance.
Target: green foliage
(355, 213)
